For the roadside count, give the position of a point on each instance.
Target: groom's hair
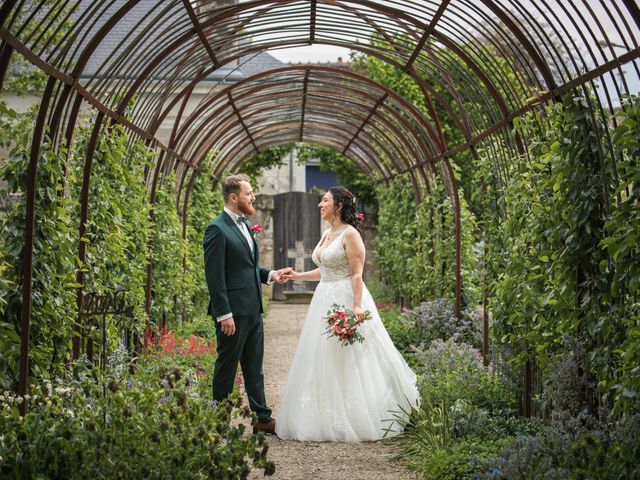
(231, 185)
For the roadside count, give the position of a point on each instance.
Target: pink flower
(343, 324)
(361, 217)
(257, 228)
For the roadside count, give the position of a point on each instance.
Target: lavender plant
(436, 319)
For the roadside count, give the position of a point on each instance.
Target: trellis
(554, 46)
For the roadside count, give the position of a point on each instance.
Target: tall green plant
(205, 203)
(53, 292)
(167, 254)
(415, 247)
(118, 226)
(555, 285)
(622, 243)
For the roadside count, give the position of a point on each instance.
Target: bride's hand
(290, 274)
(359, 313)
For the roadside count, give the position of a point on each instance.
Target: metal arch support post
(29, 236)
(84, 216)
(456, 203)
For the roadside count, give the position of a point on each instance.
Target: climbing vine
(53, 287)
(167, 251)
(563, 260)
(415, 247)
(205, 203)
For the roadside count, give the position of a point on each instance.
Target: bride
(343, 393)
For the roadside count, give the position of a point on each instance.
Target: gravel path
(313, 460)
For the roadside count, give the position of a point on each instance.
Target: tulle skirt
(344, 393)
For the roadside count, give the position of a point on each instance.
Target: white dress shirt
(244, 228)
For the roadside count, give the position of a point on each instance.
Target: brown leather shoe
(266, 427)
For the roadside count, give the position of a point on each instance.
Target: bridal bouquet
(342, 323)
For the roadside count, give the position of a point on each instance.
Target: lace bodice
(333, 261)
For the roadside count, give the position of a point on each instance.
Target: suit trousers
(246, 347)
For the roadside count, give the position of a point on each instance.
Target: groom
(234, 279)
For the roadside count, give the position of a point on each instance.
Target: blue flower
(213, 404)
(496, 472)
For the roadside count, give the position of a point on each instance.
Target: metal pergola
(552, 47)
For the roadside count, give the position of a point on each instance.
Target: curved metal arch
(331, 133)
(136, 85)
(366, 145)
(198, 114)
(234, 163)
(233, 159)
(218, 113)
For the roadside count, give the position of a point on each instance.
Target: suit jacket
(233, 273)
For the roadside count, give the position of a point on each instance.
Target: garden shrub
(402, 335)
(130, 423)
(454, 371)
(579, 447)
(436, 319)
(459, 460)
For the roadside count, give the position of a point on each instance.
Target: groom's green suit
(234, 279)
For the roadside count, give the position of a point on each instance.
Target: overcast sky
(313, 53)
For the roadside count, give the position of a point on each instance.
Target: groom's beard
(246, 208)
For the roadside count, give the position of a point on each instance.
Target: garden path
(313, 460)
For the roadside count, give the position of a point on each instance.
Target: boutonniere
(256, 229)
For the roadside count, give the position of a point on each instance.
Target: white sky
(312, 53)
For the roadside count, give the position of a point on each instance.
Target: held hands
(283, 275)
(291, 274)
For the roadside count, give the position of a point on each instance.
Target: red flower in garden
(149, 337)
(167, 341)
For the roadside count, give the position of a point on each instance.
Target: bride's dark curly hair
(349, 213)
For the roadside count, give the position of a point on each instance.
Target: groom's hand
(228, 326)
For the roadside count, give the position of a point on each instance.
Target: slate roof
(135, 21)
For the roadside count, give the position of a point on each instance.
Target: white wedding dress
(343, 393)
